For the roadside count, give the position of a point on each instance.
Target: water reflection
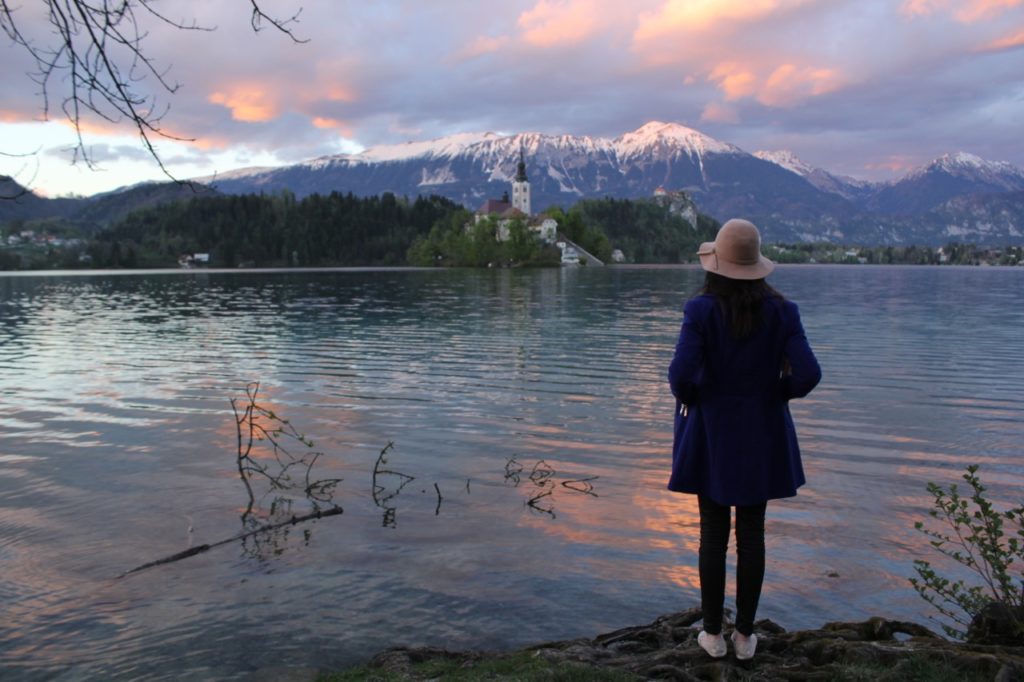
(118, 437)
(388, 484)
(542, 476)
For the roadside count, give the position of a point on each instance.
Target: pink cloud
(324, 123)
(921, 8)
(964, 11)
(1007, 42)
(480, 46)
(733, 80)
(984, 9)
(720, 112)
(551, 23)
(338, 93)
(786, 85)
(790, 84)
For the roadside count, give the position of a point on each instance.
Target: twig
(542, 471)
(581, 485)
(199, 549)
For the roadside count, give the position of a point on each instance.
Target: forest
(278, 230)
(271, 231)
(337, 230)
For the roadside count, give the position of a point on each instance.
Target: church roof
(492, 206)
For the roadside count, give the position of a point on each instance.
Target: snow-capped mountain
(973, 169)
(945, 178)
(958, 196)
(662, 141)
(562, 169)
(788, 198)
(846, 187)
(788, 160)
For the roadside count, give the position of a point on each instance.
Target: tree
(95, 63)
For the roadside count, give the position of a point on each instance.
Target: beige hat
(736, 252)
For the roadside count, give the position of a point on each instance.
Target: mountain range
(791, 201)
(958, 197)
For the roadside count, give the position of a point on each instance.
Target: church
(519, 207)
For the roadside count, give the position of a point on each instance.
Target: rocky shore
(876, 649)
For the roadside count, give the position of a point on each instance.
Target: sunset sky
(867, 88)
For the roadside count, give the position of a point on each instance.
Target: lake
(531, 428)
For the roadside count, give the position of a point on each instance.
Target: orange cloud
(691, 16)
(210, 143)
(1007, 42)
(734, 80)
(7, 116)
(96, 126)
(333, 124)
(719, 112)
(789, 84)
(251, 104)
(551, 23)
(786, 85)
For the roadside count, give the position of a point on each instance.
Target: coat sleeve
(685, 370)
(805, 373)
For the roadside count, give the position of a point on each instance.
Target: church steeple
(521, 168)
(521, 187)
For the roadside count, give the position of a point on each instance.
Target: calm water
(118, 445)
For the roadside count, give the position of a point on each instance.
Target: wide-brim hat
(736, 252)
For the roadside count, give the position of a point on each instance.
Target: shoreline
(875, 649)
(172, 270)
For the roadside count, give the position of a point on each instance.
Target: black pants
(714, 540)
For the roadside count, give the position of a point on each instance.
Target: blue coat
(736, 444)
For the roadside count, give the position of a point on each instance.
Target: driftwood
(255, 424)
(199, 549)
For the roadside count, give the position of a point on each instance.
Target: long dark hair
(739, 300)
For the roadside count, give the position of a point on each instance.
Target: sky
(865, 88)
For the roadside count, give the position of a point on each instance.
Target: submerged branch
(199, 549)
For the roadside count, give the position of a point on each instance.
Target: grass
(911, 669)
(521, 666)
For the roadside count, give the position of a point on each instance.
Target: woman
(741, 356)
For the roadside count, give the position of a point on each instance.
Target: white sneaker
(713, 644)
(745, 646)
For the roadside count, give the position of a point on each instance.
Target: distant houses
(193, 260)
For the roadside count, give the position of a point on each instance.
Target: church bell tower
(521, 187)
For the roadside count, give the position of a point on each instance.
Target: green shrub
(973, 536)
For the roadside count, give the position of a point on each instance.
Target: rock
(667, 649)
(997, 623)
(1010, 673)
(669, 672)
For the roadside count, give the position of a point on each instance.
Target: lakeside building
(505, 210)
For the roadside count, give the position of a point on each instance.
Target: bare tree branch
(96, 64)
(10, 188)
(259, 16)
